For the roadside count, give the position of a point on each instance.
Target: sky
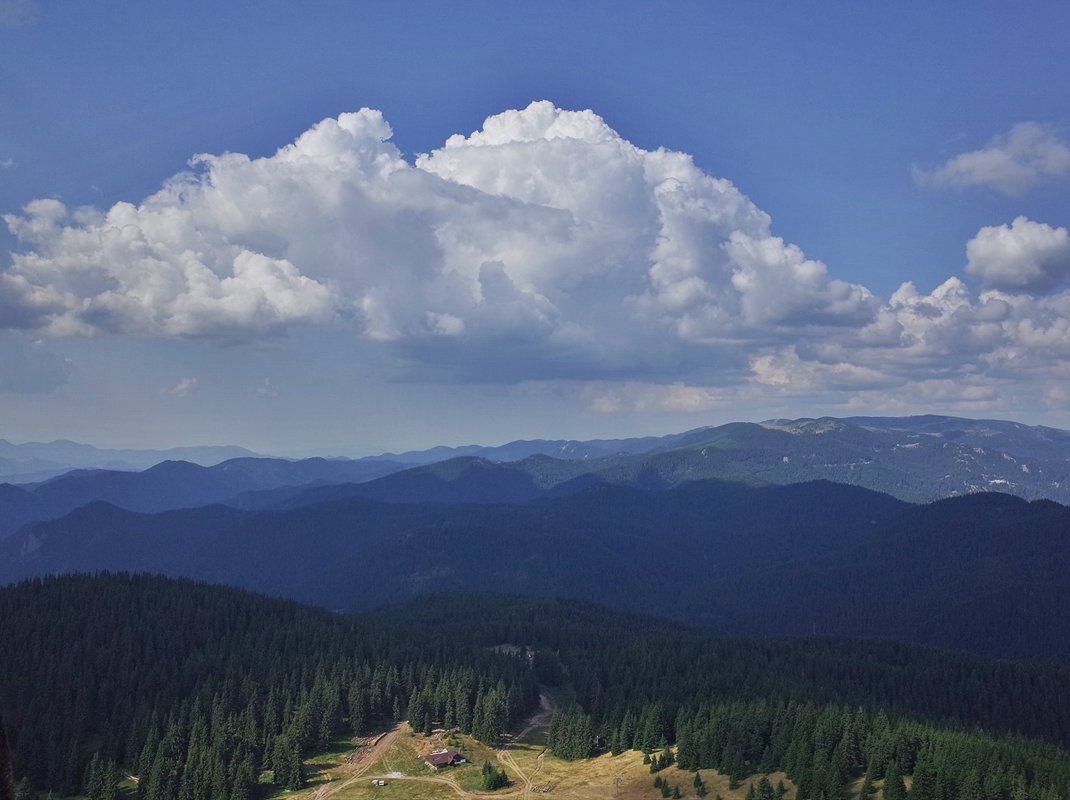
(353, 227)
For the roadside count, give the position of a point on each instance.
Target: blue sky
(556, 275)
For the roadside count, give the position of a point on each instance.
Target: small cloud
(8, 163)
(649, 397)
(444, 324)
(17, 13)
(1012, 163)
(265, 389)
(1024, 255)
(184, 387)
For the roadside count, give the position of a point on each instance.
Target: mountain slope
(984, 572)
(990, 569)
(356, 553)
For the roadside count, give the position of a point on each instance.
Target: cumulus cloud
(785, 370)
(1024, 255)
(185, 387)
(542, 247)
(658, 398)
(545, 232)
(148, 270)
(1012, 163)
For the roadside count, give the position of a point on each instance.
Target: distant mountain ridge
(918, 459)
(174, 484)
(38, 461)
(567, 449)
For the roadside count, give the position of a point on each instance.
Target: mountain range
(986, 572)
(857, 527)
(917, 459)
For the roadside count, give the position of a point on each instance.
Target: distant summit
(38, 461)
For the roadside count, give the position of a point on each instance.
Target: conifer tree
(286, 763)
(94, 780)
(765, 789)
(925, 785)
(894, 788)
(493, 778)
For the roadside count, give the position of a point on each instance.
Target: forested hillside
(195, 689)
(986, 572)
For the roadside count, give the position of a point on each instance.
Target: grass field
(533, 774)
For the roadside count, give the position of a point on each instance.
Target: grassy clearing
(401, 764)
(325, 767)
(405, 757)
(319, 769)
(623, 777)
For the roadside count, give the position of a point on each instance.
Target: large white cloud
(545, 232)
(1011, 163)
(544, 246)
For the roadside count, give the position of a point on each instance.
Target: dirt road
(540, 720)
(359, 766)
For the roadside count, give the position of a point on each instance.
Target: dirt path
(506, 758)
(540, 720)
(357, 768)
